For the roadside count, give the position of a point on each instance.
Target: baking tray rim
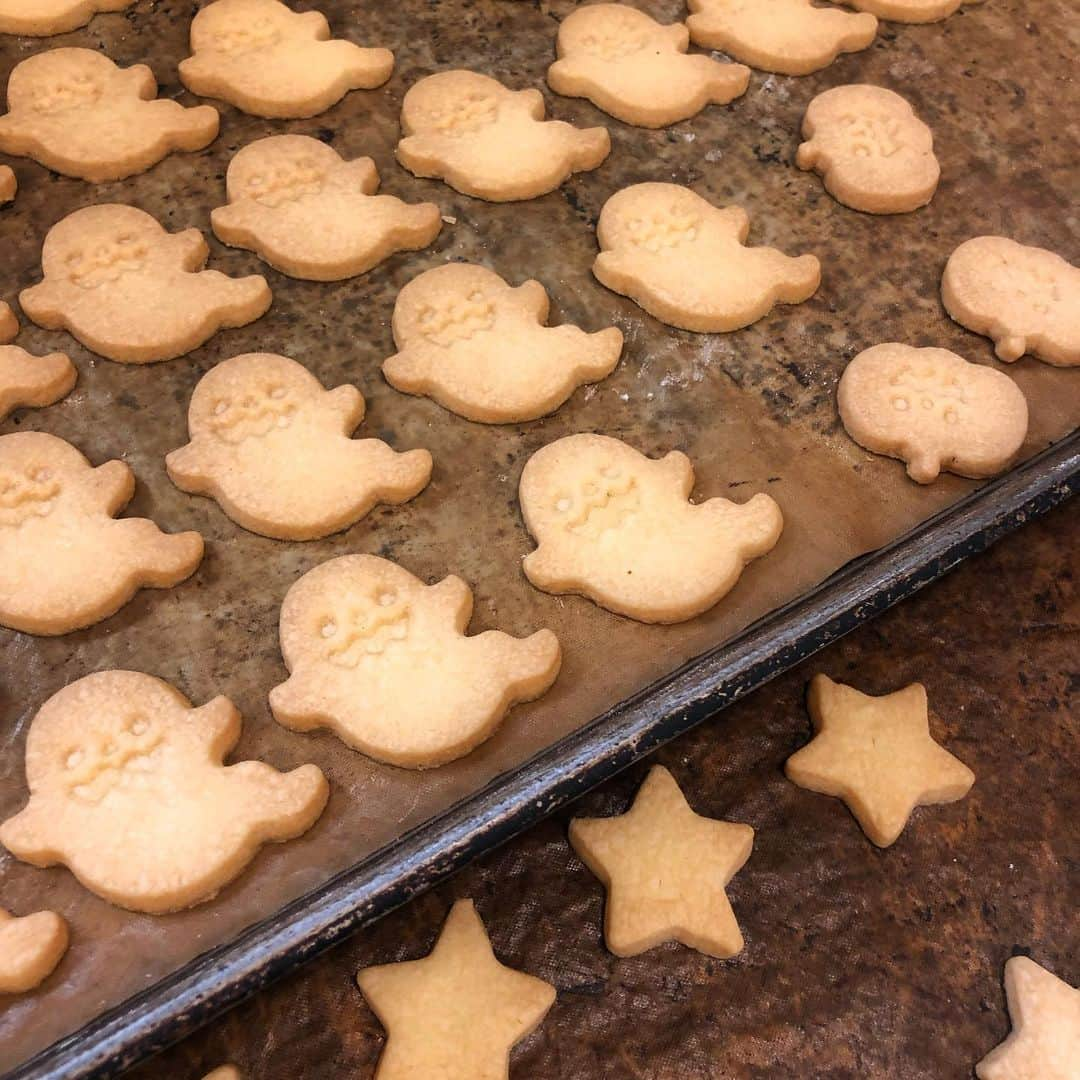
(162, 1014)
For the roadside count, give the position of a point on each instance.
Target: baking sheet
(754, 410)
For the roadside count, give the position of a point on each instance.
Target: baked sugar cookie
(298, 205)
(790, 37)
(272, 447)
(491, 142)
(872, 151)
(1025, 299)
(933, 410)
(77, 113)
(9, 325)
(43, 18)
(456, 1014)
(30, 949)
(270, 61)
(382, 660)
(9, 185)
(64, 562)
(128, 790)
(617, 527)
(225, 1072)
(908, 11)
(480, 348)
(665, 869)
(33, 380)
(129, 290)
(636, 69)
(683, 260)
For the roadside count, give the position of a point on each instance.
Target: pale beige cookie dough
(684, 261)
(1045, 1040)
(270, 61)
(873, 153)
(27, 380)
(43, 18)
(877, 754)
(9, 185)
(297, 204)
(128, 790)
(456, 1014)
(636, 69)
(1026, 299)
(790, 37)
(225, 1072)
(9, 325)
(64, 562)
(77, 113)
(480, 347)
(909, 11)
(273, 448)
(617, 527)
(30, 949)
(665, 869)
(129, 290)
(383, 660)
(491, 142)
(932, 409)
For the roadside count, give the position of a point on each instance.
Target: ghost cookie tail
(799, 277)
(759, 523)
(722, 82)
(923, 466)
(285, 805)
(160, 560)
(236, 301)
(30, 949)
(396, 478)
(604, 347)
(365, 69)
(33, 380)
(191, 129)
(589, 148)
(28, 835)
(291, 704)
(1010, 348)
(531, 664)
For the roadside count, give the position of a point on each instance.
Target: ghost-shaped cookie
(637, 70)
(43, 18)
(790, 37)
(932, 409)
(298, 205)
(480, 347)
(77, 113)
(128, 790)
(491, 142)
(64, 562)
(274, 449)
(30, 949)
(909, 11)
(129, 290)
(27, 380)
(873, 153)
(270, 61)
(1025, 299)
(683, 260)
(9, 184)
(617, 527)
(383, 661)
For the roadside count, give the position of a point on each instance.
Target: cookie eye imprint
(384, 662)
(637, 70)
(933, 410)
(457, 126)
(618, 527)
(44, 18)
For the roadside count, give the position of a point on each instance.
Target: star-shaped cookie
(1045, 1040)
(665, 869)
(455, 1014)
(877, 754)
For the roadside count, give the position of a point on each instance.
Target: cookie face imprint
(790, 37)
(491, 142)
(128, 790)
(270, 61)
(310, 214)
(909, 11)
(76, 112)
(382, 660)
(480, 347)
(872, 151)
(1025, 299)
(129, 290)
(273, 448)
(636, 69)
(683, 260)
(932, 409)
(43, 18)
(64, 562)
(617, 527)
(33, 380)
(30, 949)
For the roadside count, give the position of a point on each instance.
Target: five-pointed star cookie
(665, 869)
(1045, 1040)
(877, 754)
(455, 1014)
